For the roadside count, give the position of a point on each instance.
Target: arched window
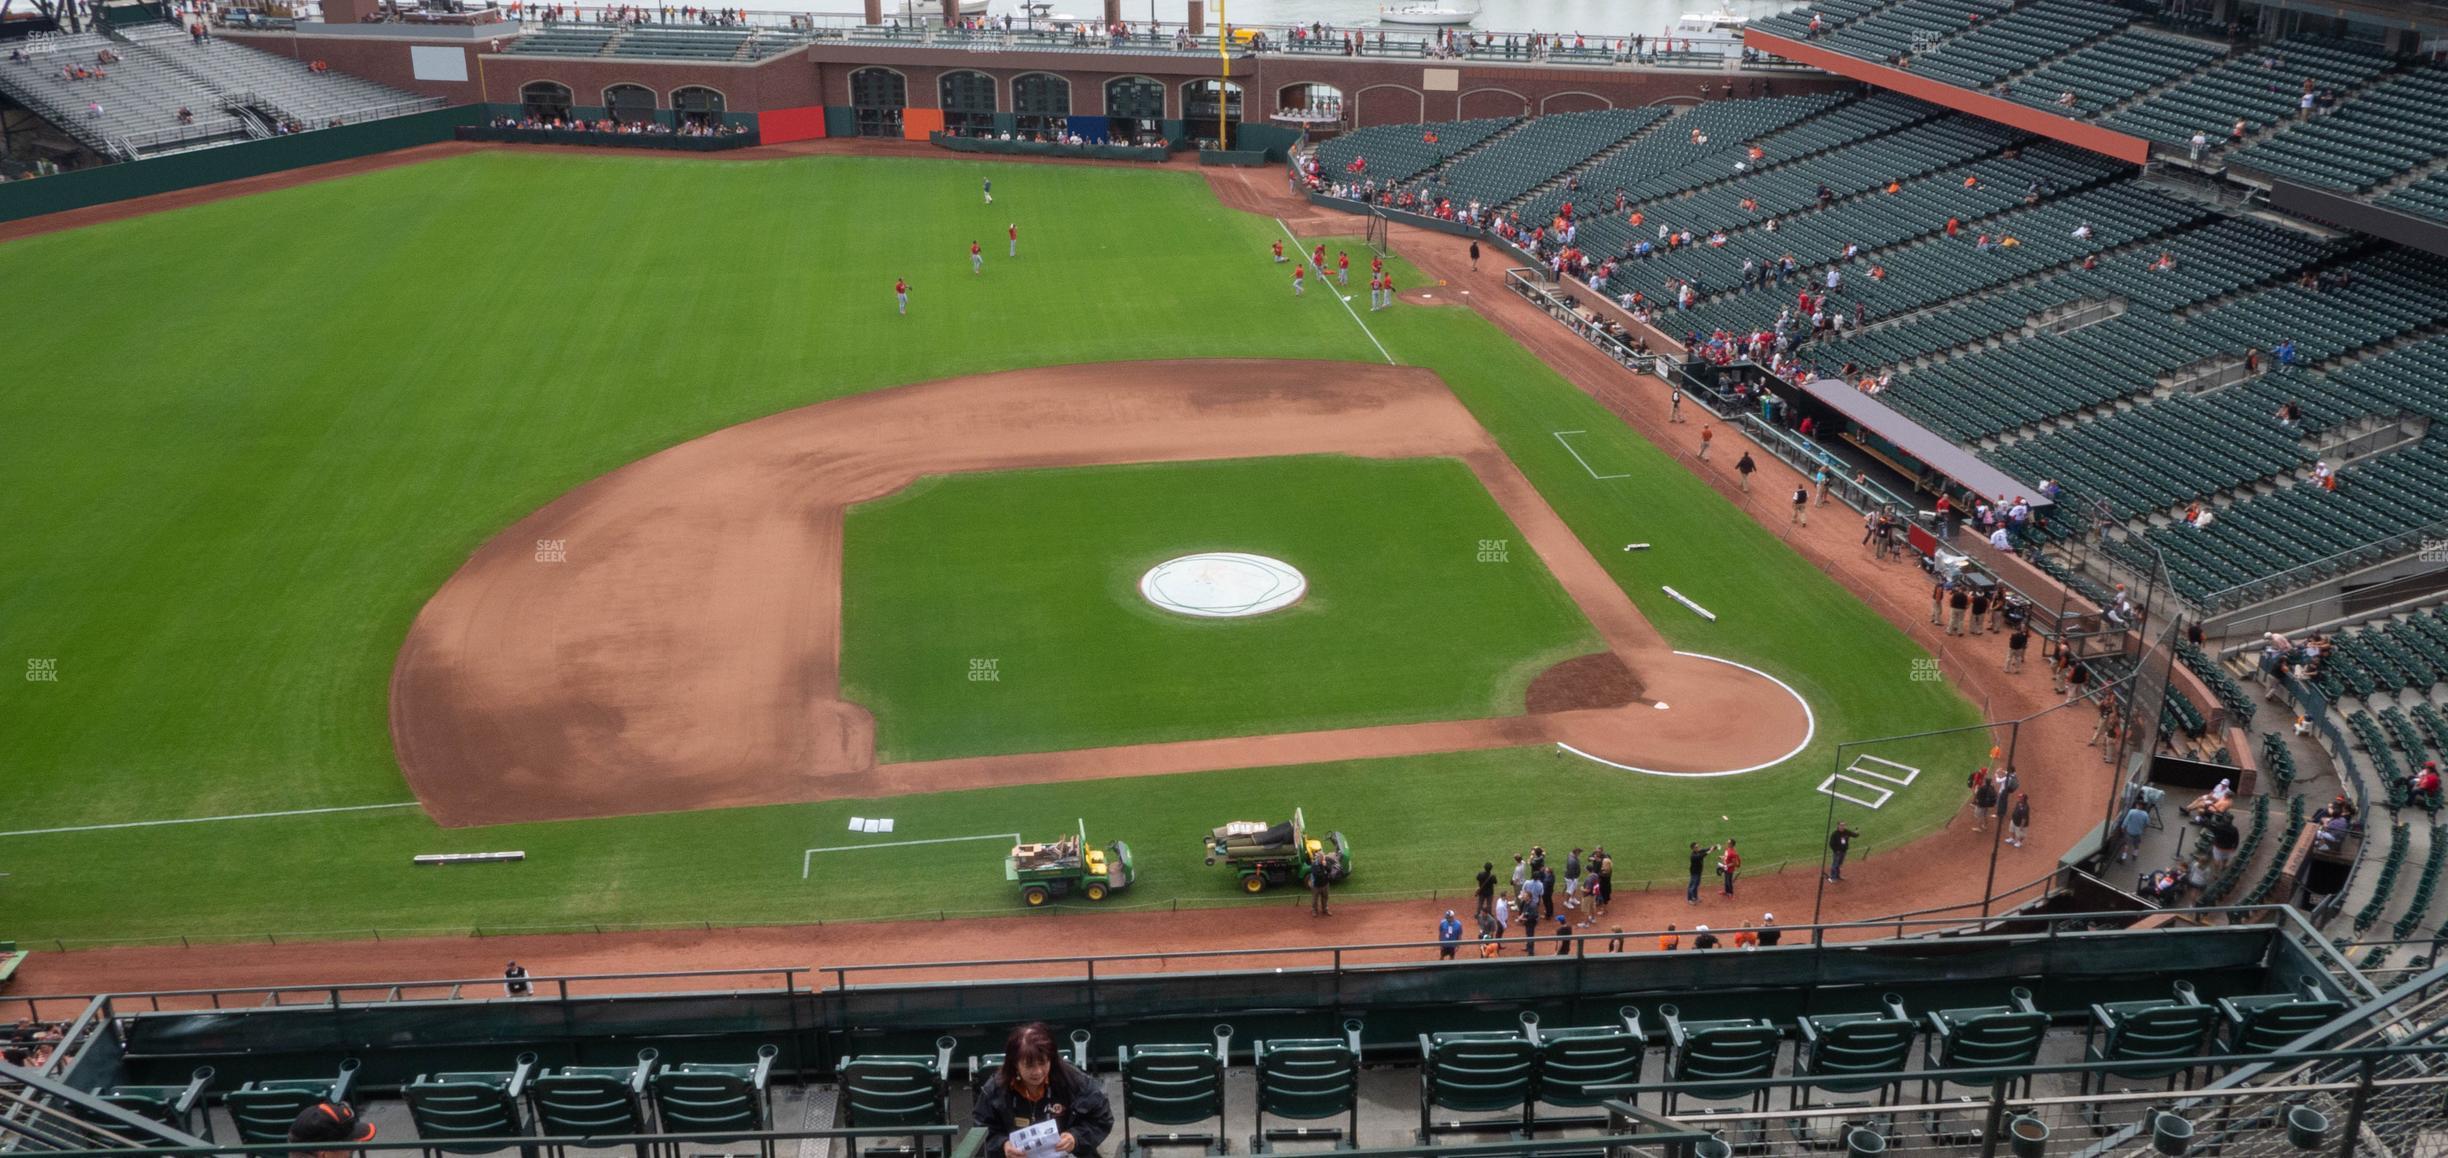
(697, 105)
(628, 104)
(877, 96)
(968, 102)
(1134, 109)
(1309, 103)
(1206, 102)
(1041, 102)
(545, 100)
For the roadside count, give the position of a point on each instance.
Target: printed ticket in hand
(1037, 1139)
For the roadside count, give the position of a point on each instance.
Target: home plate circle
(1223, 585)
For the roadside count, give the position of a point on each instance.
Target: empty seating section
(1396, 153)
(139, 97)
(1999, 390)
(2393, 655)
(1541, 149)
(1795, 24)
(2118, 68)
(1700, 145)
(1910, 28)
(2219, 258)
(288, 87)
(1777, 192)
(2261, 87)
(2304, 525)
(2397, 125)
(2020, 39)
(2397, 291)
(2428, 197)
(1937, 269)
(565, 40)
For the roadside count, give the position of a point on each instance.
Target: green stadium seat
(1308, 1079)
(1478, 1072)
(594, 1101)
(2272, 1022)
(1581, 1066)
(2153, 1039)
(178, 1107)
(471, 1112)
(1855, 1053)
(896, 1090)
(717, 1099)
(1719, 1061)
(262, 1110)
(1175, 1084)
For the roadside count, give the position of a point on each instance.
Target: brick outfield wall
(1379, 91)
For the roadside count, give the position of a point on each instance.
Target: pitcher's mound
(1590, 681)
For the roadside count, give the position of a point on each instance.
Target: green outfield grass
(1038, 571)
(288, 417)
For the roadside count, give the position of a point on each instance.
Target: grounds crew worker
(1037, 1085)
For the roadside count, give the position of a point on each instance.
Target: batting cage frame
(1380, 238)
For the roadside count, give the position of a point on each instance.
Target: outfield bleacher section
(1543, 147)
(1906, 29)
(2427, 197)
(656, 42)
(1701, 145)
(230, 92)
(1795, 24)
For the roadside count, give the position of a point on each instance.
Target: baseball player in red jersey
(1279, 253)
(1342, 267)
(1377, 265)
(1298, 287)
(1389, 292)
(1319, 258)
(977, 258)
(1015, 239)
(901, 293)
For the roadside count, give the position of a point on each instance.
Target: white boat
(1723, 24)
(1428, 13)
(933, 9)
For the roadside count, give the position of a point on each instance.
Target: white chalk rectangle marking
(1685, 600)
(1858, 769)
(1828, 786)
(807, 859)
(1568, 449)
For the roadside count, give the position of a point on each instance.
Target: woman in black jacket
(1036, 1085)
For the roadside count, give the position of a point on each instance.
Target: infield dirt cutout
(668, 637)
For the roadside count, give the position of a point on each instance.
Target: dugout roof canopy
(1929, 447)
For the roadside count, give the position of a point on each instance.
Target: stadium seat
(262, 1110)
(1854, 1053)
(474, 1110)
(711, 1098)
(1478, 1072)
(2158, 1038)
(894, 1090)
(1718, 1061)
(1580, 1065)
(178, 1107)
(1175, 1084)
(2272, 1022)
(2002, 1037)
(594, 1101)
(1308, 1079)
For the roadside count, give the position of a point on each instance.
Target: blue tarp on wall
(1090, 128)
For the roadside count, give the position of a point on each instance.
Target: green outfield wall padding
(841, 121)
(1276, 141)
(108, 183)
(1245, 158)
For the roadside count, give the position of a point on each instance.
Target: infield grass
(247, 468)
(1037, 572)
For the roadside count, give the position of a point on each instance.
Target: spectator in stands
(2337, 808)
(324, 1123)
(2200, 142)
(2332, 834)
(1705, 939)
(1036, 1085)
(2215, 802)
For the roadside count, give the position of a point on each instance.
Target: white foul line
(1338, 294)
(1810, 728)
(807, 860)
(1568, 449)
(207, 819)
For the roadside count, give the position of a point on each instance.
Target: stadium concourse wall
(814, 82)
(106, 183)
(397, 1034)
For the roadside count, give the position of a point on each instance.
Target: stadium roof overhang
(2080, 134)
(1924, 445)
